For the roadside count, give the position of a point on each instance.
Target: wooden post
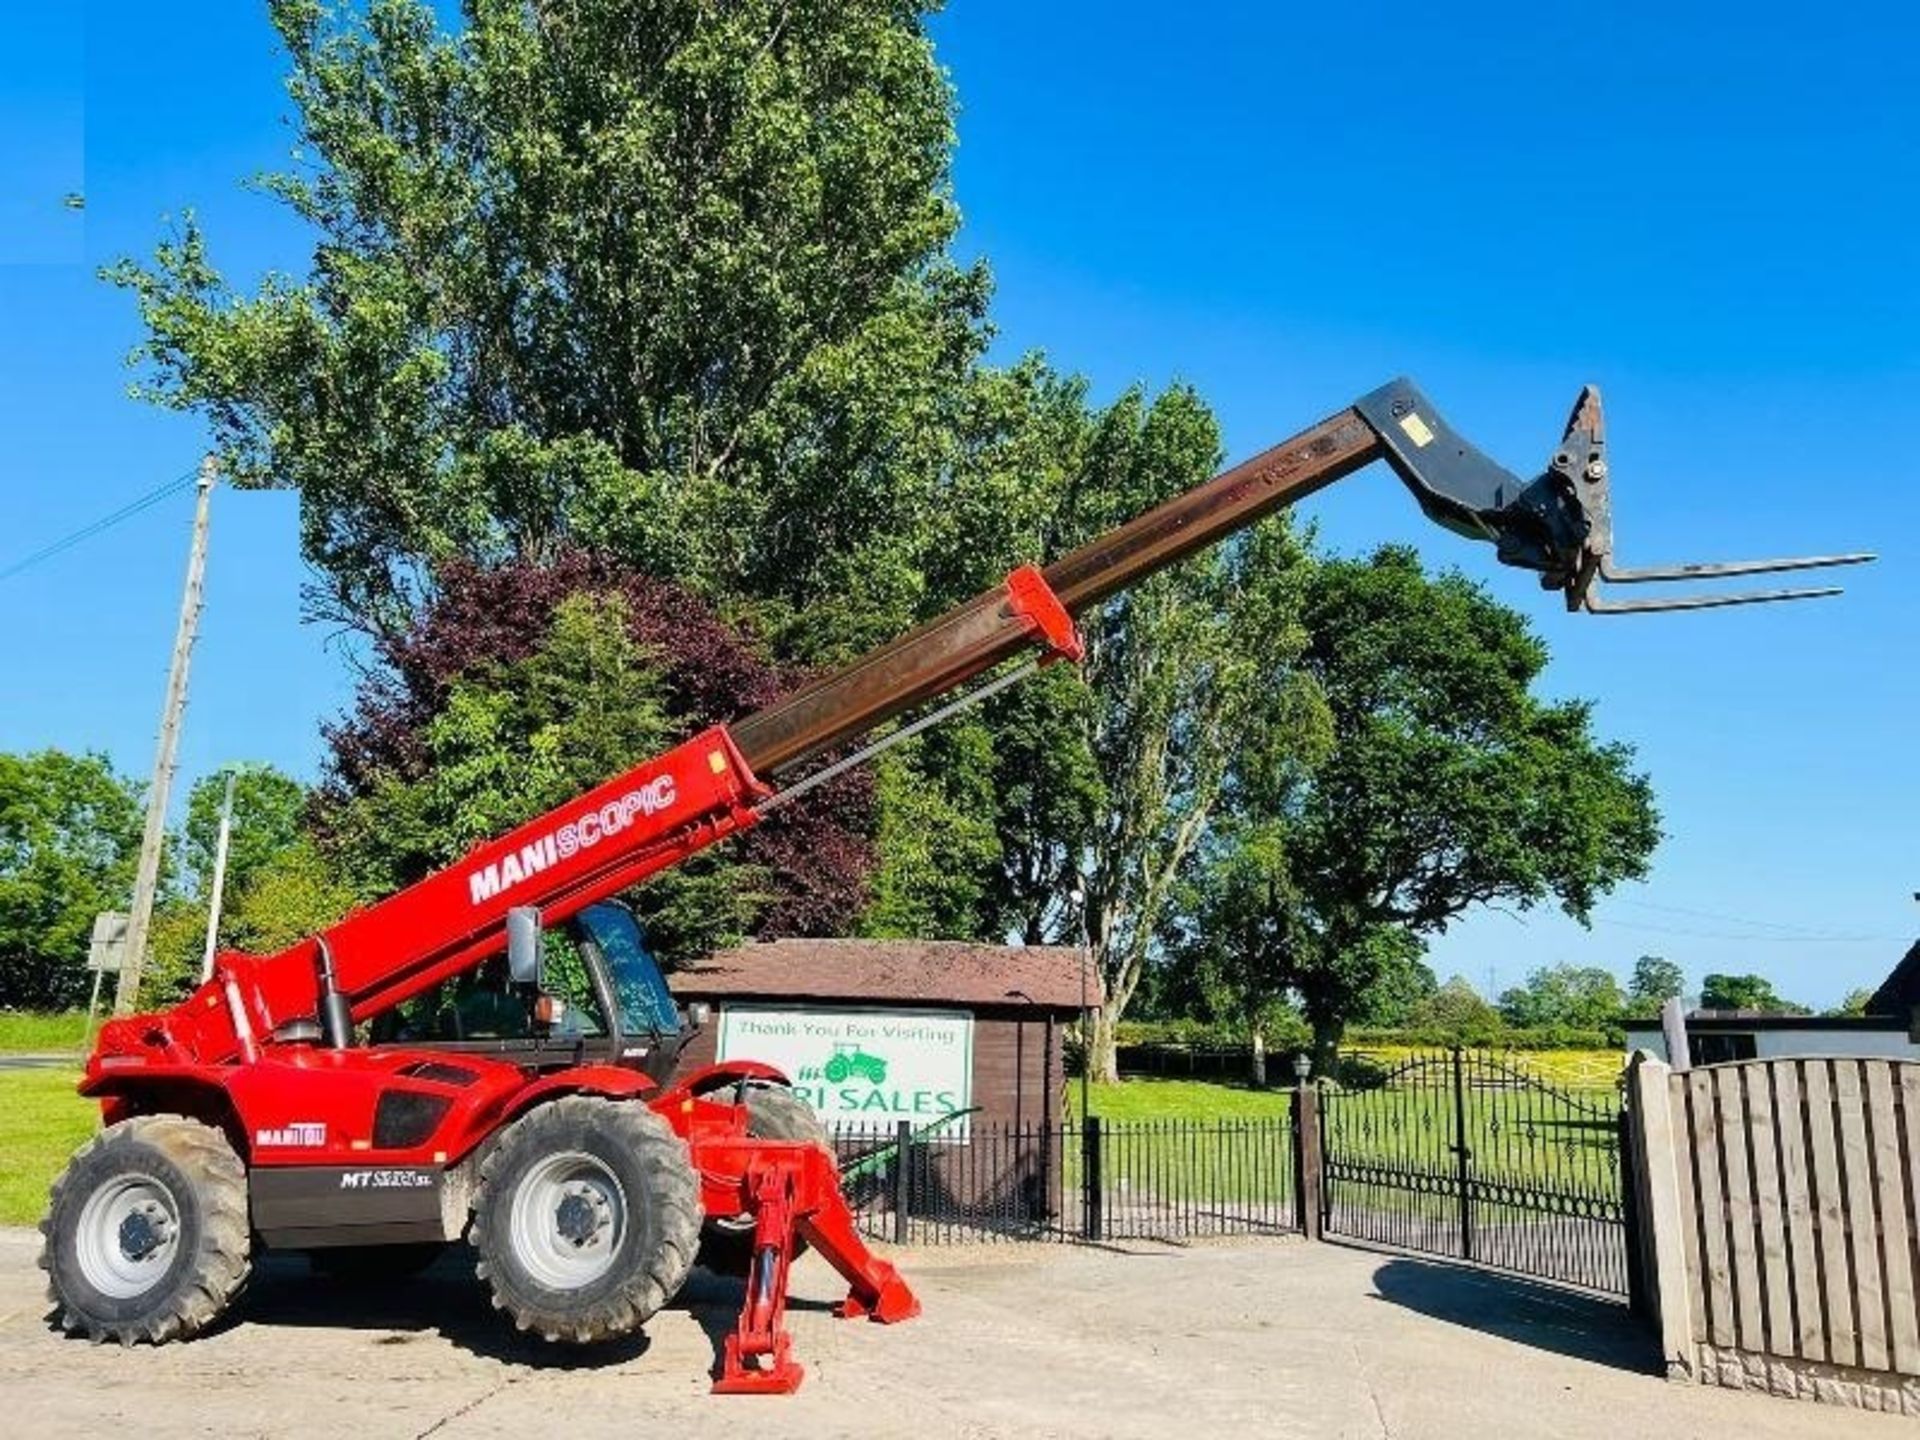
(1308, 1162)
(1673, 1029)
(1656, 1165)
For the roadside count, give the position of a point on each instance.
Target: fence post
(1639, 1294)
(902, 1190)
(1308, 1160)
(1092, 1223)
(1656, 1168)
(1462, 1156)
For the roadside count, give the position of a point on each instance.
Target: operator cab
(590, 990)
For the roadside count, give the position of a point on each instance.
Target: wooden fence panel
(1782, 1212)
(1685, 1161)
(1892, 1197)
(1810, 1333)
(1769, 1216)
(1743, 1258)
(1830, 1218)
(1863, 1239)
(1710, 1182)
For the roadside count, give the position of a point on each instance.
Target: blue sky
(1712, 217)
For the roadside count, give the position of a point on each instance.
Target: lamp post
(1077, 897)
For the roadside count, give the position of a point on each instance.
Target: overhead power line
(105, 522)
(1751, 939)
(1791, 931)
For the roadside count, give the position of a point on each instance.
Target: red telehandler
(406, 1079)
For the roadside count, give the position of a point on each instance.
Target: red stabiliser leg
(794, 1192)
(761, 1336)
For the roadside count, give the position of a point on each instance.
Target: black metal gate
(1466, 1155)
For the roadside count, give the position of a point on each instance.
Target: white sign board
(863, 1069)
(109, 944)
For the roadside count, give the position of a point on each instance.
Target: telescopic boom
(1558, 524)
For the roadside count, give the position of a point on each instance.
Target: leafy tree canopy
(268, 807)
(657, 277)
(1448, 782)
(69, 832)
(1745, 992)
(1581, 997)
(1459, 1013)
(1655, 981)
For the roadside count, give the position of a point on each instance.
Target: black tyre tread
(225, 1255)
(773, 1113)
(673, 1191)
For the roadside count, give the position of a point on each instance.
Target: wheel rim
(569, 1219)
(128, 1234)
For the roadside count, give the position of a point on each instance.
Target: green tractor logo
(850, 1061)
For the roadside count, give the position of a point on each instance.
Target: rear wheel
(586, 1218)
(146, 1232)
(773, 1113)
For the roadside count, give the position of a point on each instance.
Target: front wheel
(586, 1218)
(146, 1232)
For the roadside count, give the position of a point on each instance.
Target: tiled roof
(948, 972)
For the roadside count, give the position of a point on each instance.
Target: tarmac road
(1252, 1338)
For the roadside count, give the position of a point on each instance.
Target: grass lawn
(42, 1122)
(28, 1032)
(1155, 1099)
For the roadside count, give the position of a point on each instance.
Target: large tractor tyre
(586, 1218)
(146, 1234)
(374, 1264)
(773, 1113)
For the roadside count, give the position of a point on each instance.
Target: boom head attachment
(1560, 523)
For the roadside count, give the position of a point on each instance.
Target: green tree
(1580, 997)
(1238, 907)
(268, 806)
(279, 888)
(665, 280)
(69, 831)
(662, 278)
(1655, 981)
(1457, 1014)
(1449, 783)
(1402, 985)
(1853, 1003)
(1745, 992)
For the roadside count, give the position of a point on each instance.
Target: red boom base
(793, 1191)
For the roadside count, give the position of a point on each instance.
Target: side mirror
(523, 944)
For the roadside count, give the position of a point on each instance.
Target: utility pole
(153, 841)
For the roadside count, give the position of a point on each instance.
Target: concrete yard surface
(1258, 1338)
